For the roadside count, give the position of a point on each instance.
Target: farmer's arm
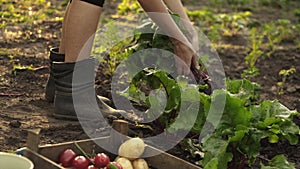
(177, 7)
(157, 11)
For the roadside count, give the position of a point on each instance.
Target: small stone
(291, 89)
(15, 123)
(273, 88)
(297, 87)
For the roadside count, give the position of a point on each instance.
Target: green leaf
(212, 164)
(192, 146)
(227, 131)
(238, 136)
(202, 112)
(172, 89)
(293, 139)
(157, 100)
(270, 109)
(278, 162)
(250, 144)
(282, 111)
(242, 86)
(275, 129)
(215, 107)
(215, 145)
(290, 131)
(236, 112)
(273, 138)
(272, 120)
(112, 166)
(189, 109)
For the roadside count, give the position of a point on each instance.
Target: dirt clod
(15, 123)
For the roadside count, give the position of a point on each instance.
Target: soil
(23, 106)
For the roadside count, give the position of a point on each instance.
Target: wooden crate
(46, 157)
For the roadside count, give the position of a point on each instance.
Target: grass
(27, 12)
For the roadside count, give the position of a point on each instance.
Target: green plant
(270, 31)
(112, 49)
(278, 31)
(228, 24)
(252, 57)
(297, 12)
(115, 49)
(284, 75)
(175, 91)
(278, 162)
(232, 24)
(214, 33)
(25, 11)
(129, 6)
(236, 141)
(245, 120)
(204, 17)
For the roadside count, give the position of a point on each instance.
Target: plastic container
(14, 161)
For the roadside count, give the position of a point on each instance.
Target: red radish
(66, 157)
(101, 160)
(80, 162)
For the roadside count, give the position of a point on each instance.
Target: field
(255, 40)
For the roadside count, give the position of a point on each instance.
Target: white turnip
(132, 148)
(140, 164)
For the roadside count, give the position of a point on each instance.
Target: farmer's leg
(75, 95)
(80, 24)
(62, 41)
(69, 30)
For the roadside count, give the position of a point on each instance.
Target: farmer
(80, 23)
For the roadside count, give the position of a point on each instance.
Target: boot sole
(65, 117)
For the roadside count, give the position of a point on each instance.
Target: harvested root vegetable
(124, 162)
(140, 164)
(132, 148)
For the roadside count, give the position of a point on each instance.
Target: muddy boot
(55, 56)
(75, 96)
(50, 87)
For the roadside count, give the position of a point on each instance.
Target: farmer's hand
(186, 57)
(193, 38)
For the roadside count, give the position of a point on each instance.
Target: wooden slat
(161, 161)
(89, 146)
(46, 157)
(41, 162)
(33, 139)
(164, 160)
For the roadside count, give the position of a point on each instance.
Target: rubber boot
(75, 96)
(55, 56)
(50, 86)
